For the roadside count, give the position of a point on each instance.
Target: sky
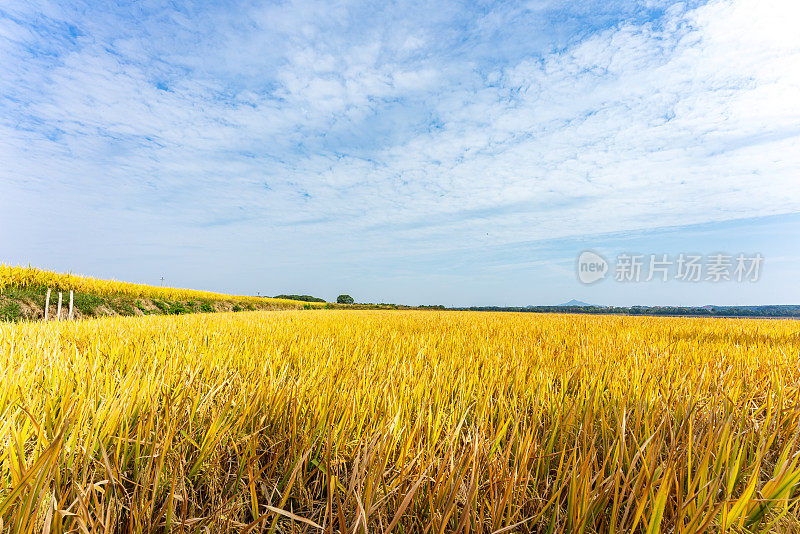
(411, 152)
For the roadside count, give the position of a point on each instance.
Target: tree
(303, 298)
(345, 299)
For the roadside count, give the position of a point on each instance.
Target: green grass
(10, 311)
(86, 304)
(121, 306)
(35, 295)
(178, 308)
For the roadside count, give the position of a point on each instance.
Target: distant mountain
(574, 302)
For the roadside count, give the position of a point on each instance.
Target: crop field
(402, 421)
(21, 278)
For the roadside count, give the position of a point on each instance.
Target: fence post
(58, 313)
(47, 305)
(71, 294)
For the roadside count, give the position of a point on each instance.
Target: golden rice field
(31, 277)
(404, 421)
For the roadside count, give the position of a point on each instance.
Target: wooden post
(58, 313)
(71, 295)
(47, 305)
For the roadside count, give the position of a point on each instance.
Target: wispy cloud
(410, 126)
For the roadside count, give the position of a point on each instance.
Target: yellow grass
(372, 421)
(31, 277)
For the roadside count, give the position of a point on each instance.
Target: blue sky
(412, 152)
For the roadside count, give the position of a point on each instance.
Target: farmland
(377, 421)
(19, 277)
(23, 296)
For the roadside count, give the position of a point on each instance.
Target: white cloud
(403, 133)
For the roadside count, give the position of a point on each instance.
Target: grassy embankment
(23, 295)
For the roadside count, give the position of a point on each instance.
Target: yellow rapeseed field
(403, 421)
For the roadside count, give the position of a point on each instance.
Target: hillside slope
(23, 294)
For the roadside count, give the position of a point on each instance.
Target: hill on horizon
(574, 302)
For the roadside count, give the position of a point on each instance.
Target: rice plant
(400, 421)
(31, 277)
